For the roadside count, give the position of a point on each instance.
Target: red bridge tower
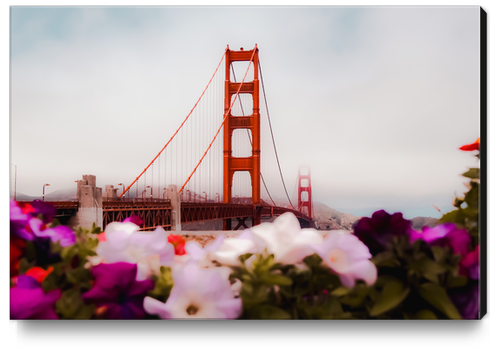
(233, 164)
(304, 192)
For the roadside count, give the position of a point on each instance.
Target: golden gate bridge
(211, 165)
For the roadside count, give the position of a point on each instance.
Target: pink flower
(348, 257)
(443, 235)
(201, 294)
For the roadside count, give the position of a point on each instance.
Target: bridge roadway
(155, 212)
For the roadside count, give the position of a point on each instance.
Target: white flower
(285, 239)
(149, 250)
(197, 293)
(347, 256)
(230, 249)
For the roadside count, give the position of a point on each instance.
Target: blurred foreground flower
(348, 257)
(471, 147)
(29, 301)
(377, 231)
(124, 243)
(197, 293)
(446, 234)
(470, 264)
(178, 242)
(116, 292)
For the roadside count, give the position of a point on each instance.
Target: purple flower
(29, 301)
(117, 292)
(19, 220)
(375, 232)
(467, 301)
(444, 235)
(197, 293)
(61, 233)
(47, 210)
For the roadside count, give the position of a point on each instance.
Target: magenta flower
(197, 293)
(61, 233)
(19, 220)
(135, 220)
(29, 301)
(116, 291)
(348, 257)
(375, 232)
(470, 264)
(444, 235)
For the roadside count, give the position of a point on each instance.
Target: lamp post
(188, 195)
(123, 187)
(205, 196)
(164, 193)
(44, 188)
(143, 193)
(217, 197)
(151, 192)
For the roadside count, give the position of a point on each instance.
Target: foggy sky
(375, 100)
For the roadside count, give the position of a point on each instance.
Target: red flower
(39, 273)
(101, 237)
(178, 242)
(16, 249)
(471, 147)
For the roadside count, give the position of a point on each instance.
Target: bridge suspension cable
(272, 134)
(178, 129)
(250, 139)
(222, 123)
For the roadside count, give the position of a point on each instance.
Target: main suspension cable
(272, 134)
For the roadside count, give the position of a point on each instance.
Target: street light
(143, 192)
(124, 188)
(206, 197)
(217, 197)
(164, 193)
(151, 192)
(44, 188)
(188, 195)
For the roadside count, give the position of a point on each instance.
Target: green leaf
(71, 305)
(244, 257)
(340, 291)
(278, 280)
(473, 173)
(427, 267)
(392, 295)
(425, 314)
(270, 312)
(437, 297)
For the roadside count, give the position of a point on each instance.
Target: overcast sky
(375, 100)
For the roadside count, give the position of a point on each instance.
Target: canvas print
(253, 163)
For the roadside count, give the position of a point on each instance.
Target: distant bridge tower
(252, 122)
(305, 204)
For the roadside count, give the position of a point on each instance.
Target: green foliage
(72, 276)
(467, 208)
(163, 284)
